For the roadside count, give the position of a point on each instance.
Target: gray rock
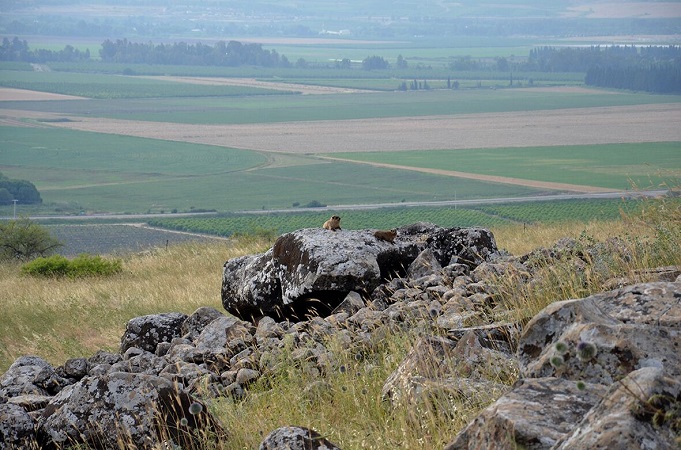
(606, 336)
(146, 332)
(16, 428)
(534, 415)
(139, 410)
(642, 411)
(30, 375)
(315, 264)
(76, 368)
(352, 303)
(296, 438)
(217, 334)
(424, 264)
(195, 323)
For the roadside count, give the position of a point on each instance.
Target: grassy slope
(58, 319)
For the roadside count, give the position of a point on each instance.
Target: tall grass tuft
(606, 255)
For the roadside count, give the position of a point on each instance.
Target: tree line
(581, 59)
(658, 78)
(18, 50)
(232, 53)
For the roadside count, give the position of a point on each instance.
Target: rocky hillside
(597, 372)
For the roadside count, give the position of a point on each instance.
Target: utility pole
(15, 208)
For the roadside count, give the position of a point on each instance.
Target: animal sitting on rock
(386, 235)
(332, 224)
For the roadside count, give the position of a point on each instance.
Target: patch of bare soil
(252, 82)
(578, 126)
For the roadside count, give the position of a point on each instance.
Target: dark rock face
(309, 272)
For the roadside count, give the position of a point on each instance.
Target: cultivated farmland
(229, 151)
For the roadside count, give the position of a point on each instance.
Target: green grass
(60, 149)
(385, 218)
(615, 166)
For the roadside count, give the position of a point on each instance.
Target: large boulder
(604, 337)
(309, 272)
(534, 415)
(642, 411)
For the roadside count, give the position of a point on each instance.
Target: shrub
(81, 266)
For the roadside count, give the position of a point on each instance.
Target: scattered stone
(296, 438)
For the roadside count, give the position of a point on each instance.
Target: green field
(616, 166)
(385, 218)
(109, 173)
(89, 172)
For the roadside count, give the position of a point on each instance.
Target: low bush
(81, 266)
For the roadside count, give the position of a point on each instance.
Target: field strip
(576, 126)
(304, 89)
(481, 177)
(11, 95)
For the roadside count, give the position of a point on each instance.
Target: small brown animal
(386, 235)
(332, 224)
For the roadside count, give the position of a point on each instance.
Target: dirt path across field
(490, 178)
(304, 89)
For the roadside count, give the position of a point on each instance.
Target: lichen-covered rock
(570, 354)
(30, 375)
(215, 336)
(146, 332)
(296, 438)
(642, 411)
(534, 415)
(197, 321)
(604, 337)
(16, 428)
(138, 410)
(310, 271)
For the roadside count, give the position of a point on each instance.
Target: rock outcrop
(601, 371)
(310, 271)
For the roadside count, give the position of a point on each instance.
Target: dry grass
(58, 319)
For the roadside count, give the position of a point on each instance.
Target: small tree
(24, 240)
(374, 62)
